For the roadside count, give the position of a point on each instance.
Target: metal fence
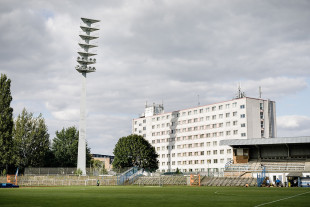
(58, 171)
(68, 180)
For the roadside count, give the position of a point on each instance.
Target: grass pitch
(154, 196)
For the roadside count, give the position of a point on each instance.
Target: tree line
(25, 141)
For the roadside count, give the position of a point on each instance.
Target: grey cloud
(150, 51)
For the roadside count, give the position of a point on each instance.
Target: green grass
(136, 196)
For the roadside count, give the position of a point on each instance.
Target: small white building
(189, 139)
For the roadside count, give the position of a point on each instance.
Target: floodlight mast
(84, 59)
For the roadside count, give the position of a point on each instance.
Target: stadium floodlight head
(85, 59)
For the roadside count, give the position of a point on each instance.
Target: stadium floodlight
(85, 59)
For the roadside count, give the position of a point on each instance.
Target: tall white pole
(85, 61)
(82, 128)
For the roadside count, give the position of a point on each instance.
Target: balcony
(83, 60)
(86, 36)
(87, 54)
(85, 69)
(85, 45)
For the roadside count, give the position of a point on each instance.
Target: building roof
(266, 141)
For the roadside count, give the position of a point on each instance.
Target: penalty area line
(282, 199)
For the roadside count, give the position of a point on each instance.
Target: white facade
(189, 139)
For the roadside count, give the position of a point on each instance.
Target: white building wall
(189, 139)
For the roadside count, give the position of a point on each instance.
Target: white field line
(282, 199)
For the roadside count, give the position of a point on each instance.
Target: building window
(173, 162)
(227, 115)
(214, 143)
(242, 106)
(242, 115)
(189, 113)
(221, 134)
(201, 119)
(234, 113)
(207, 109)
(208, 152)
(222, 152)
(222, 160)
(202, 153)
(207, 118)
(235, 132)
(235, 123)
(214, 134)
(227, 106)
(213, 117)
(215, 161)
(220, 107)
(234, 104)
(200, 110)
(220, 124)
(220, 116)
(243, 125)
(243, 134)
(215, 152)
(213, 126)
(227, 133)
(195, 111)
(183, 113)
(209, 161)
(228, 151)
(144, 128)
(227, 124)
(213, 108)
(208, 144)
(261, 106)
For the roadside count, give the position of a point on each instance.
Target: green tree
(31, 140)
(6, 122)
(99, 166)
(134, 150)
(65, 148)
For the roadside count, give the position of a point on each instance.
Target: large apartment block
(189, 139)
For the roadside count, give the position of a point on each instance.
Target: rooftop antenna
(240, 94)
(198, 100)
(260, 92)
(85, 59)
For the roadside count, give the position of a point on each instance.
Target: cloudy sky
(156, 50)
